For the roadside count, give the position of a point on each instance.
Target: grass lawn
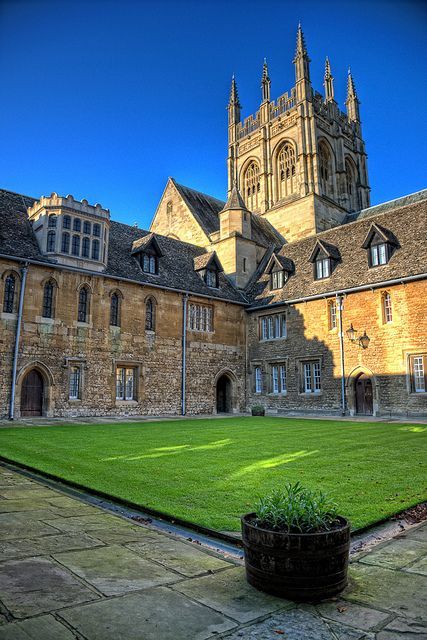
(212, 471)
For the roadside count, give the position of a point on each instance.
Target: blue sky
(105, 100)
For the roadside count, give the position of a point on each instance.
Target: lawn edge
(160, 515)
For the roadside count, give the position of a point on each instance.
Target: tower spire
(265, 83)
(234, 105)
(328, 82)
(302, 68)
(352, 102)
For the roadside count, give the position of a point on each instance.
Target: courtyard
(210, 472)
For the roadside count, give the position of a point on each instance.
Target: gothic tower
(299, 161)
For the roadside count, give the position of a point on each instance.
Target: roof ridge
(202, 193)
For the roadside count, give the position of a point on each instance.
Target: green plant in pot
(296, 545)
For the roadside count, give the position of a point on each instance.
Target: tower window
(66, 222)
(85, 247)
(97, 230)
(87, 227)
(51, 240)
(75, 246)
(65, 243)
(351, 185)
(325, 171)
(77, 224)
(287, 170)
(95, 250)
(252, 186)
(52, 221)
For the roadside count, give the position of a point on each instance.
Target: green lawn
(212, 471)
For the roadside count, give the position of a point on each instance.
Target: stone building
(293, 294)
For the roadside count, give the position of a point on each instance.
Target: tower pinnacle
(352, 102)
(302, 68)
(265, 83)
(328, 82)
(234, 105)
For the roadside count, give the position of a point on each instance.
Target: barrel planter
(297, 566)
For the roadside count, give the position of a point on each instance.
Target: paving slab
(229, 593)
(88, 523)
(418, 567)
(38, 504)
(45, 545)
(40, 628)
(389, 590)
(123, 535)
(185, 558)
(396, 554)
(38, 585)
(19, 525)
(418, 533)
(115, 570)
(295, 625)
(31, 492)
(352, 614)
(400, 629)
(154, 614)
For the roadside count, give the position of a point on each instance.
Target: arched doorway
(364, 397)
(224, 394)
(32, 394)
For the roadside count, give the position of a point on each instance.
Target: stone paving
(69, 570)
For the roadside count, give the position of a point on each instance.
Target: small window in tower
(52, 221)
(85, 248)
(66, 222)
(97, 230)
(95, 250)
(86, 227)
(75, 246)
(65, 243)
(77, 224)
(51, 241)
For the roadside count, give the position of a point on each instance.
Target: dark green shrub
(296, 509)
(258, 410)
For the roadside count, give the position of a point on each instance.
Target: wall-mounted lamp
(362, 340)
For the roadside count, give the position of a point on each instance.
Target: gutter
(184, 354)
(340, 292)
(24, 271)
(100, 274)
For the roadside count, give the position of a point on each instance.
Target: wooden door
(364, 395)
(223, 399)
(32, 394)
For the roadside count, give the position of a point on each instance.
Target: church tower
(299, 161)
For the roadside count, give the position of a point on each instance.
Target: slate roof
(203, 261)
(408, 224)
(206, 209)
(176, 266)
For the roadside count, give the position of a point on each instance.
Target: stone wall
(53, 346)
(385, 361)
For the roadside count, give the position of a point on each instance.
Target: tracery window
(149, 315)
(252, 186)
(350, 186)
(115, 310)
(48, 292)
(287, 170)
(83, 310)
(200, 318)
(9, 294)
(325, 171)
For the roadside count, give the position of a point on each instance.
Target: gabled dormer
(380, 244)
(148, 253)
(235, 217)
(324, 258)
(208, 267)
(279, 268)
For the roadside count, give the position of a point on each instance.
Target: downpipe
(184, 354)
(24, 271)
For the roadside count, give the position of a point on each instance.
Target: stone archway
(362, 392)
(225, 393)
(33, 391)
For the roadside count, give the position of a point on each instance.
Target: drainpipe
(24, 270)
(184, 353)
(340, 305)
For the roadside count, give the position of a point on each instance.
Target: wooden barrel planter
(297, 566)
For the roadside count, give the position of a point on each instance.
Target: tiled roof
(206, 209)
(176, 266)
(203, 261)
(408, 224)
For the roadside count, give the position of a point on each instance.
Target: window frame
(9, 293)
(258, 379)
(374, 255)
(311, 377)
(124, 372)
(268, 326)
(387, 307)
(150, 314)
(48, 304)
(200, 318)
(51, 241)
(332, 314)
(319, 268)
(65, 242)
(115, 309)
(412, 377)
(83, 313)
(76, 384)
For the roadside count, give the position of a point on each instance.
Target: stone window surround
(299, 365)
(128, 364)
(278, 362)
(76, 362)
(267, 314)
(408, 355)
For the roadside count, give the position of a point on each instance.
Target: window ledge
(8, 316)
(279, 394)
(75, 400)
(418, 394)
(273, 339)
(126, 403)
(310, 394)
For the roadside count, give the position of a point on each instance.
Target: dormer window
(379, 254)
(277, 279)
(148, 263)
(279, 269)
(324, 258)
(323, 268)
(380, 244)
(211, 278)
